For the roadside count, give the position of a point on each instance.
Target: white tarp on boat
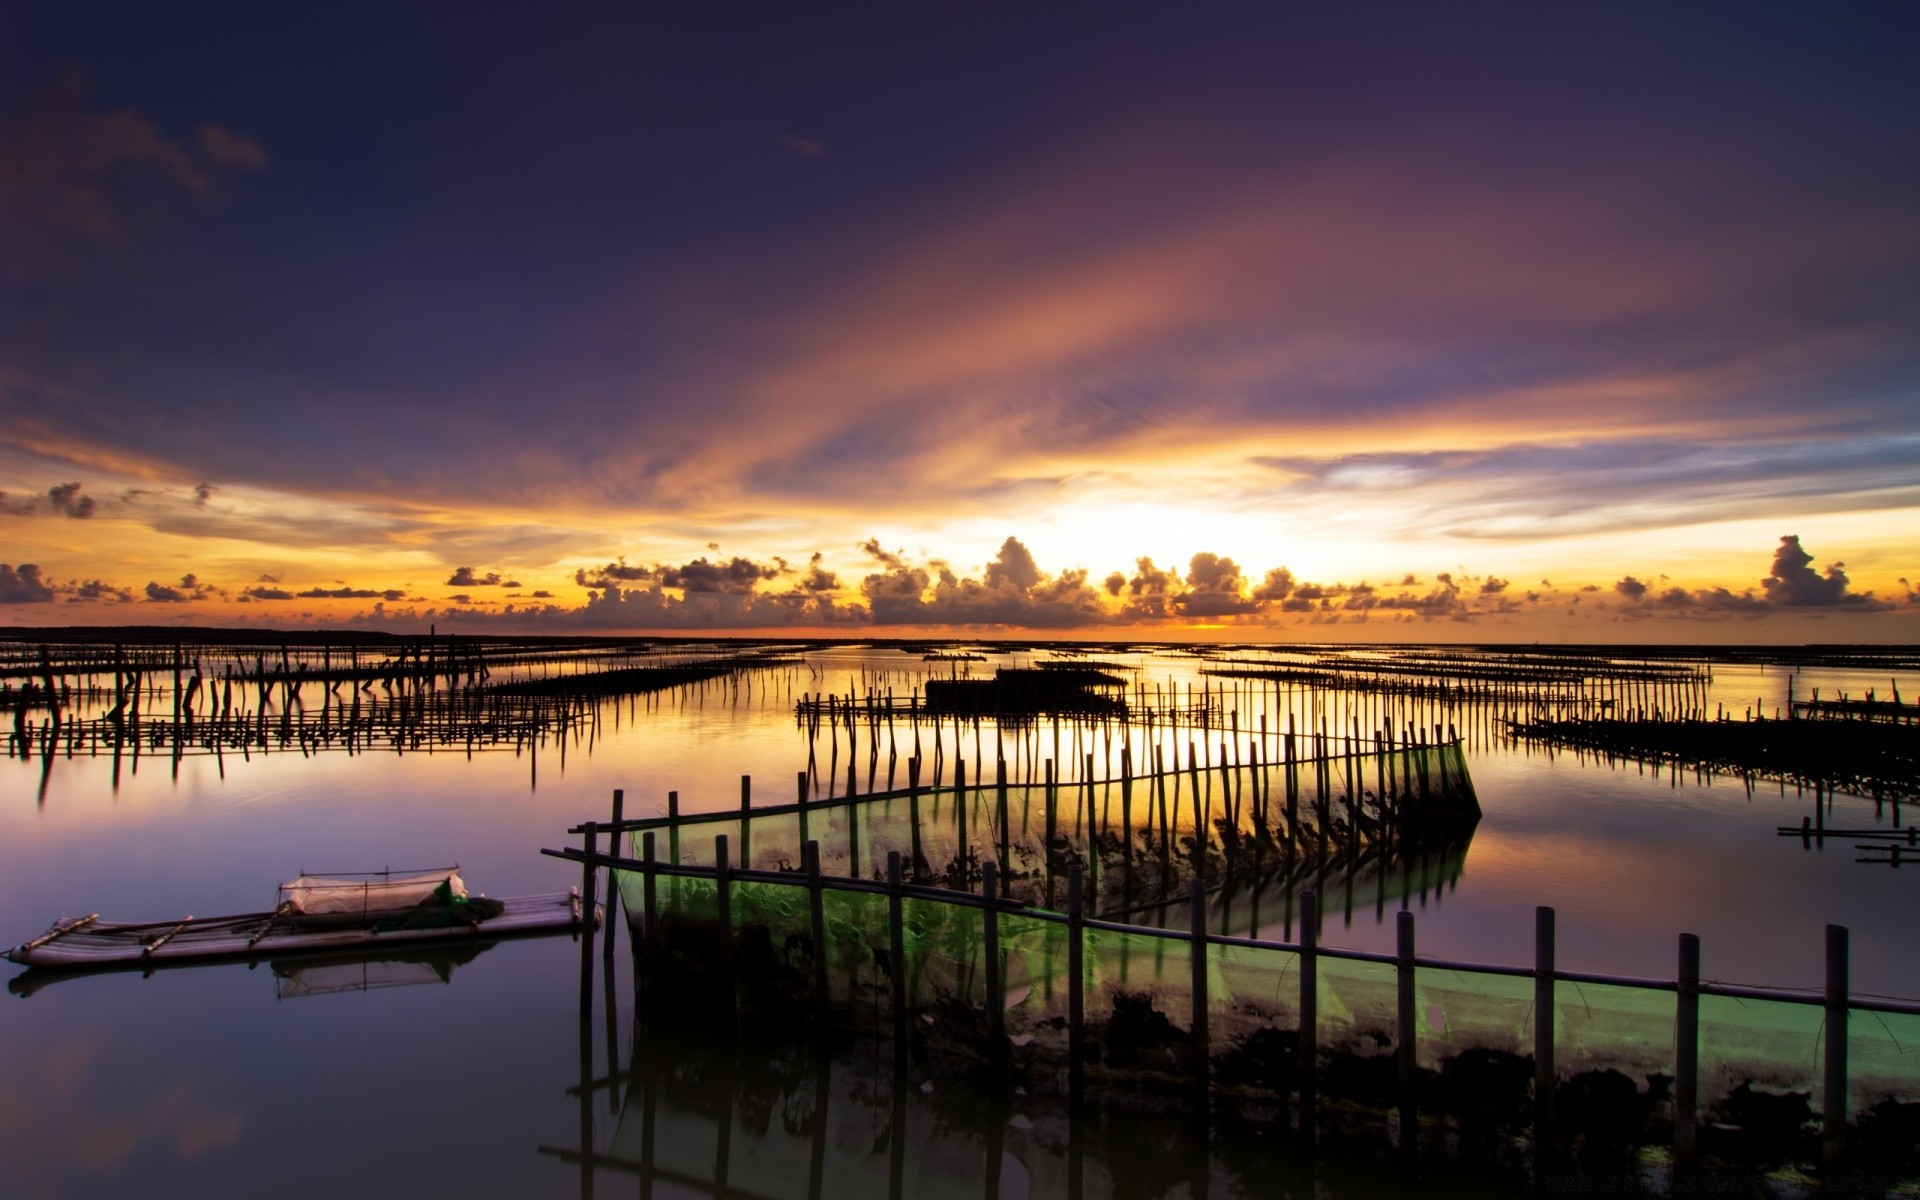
(320, 896)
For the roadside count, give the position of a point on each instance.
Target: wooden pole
(913, 811)
(1686, 1053)
(897, 956)
(1833, 1095)
(746, 822)
(996, 997)
(588, 877)
(1076, 986)
(817, 922)
(1197, 955)
(960, 816)
(613, 892)
(1308, 1039)
(723, 916)
(1000, 808)
(1543, 1066)
(649, 892)
(1408, 1035)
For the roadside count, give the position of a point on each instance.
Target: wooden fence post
(1543, 992)
(1053, 815)
(1000, 808)
(746, 822)
(1833, 1094)
(613, 890)
(1408, 1047)
(960, 816)
(1197, 956)
(649, 892)
(817, 922)
(1686, 1053)
(1308, 1037)
(588, 879)
(897, 955)
(1076, 984)
(913, 812)
(996, 999)
(723, 916)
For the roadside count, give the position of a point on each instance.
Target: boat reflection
(309, 975)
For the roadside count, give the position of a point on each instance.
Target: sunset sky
(1389, 322)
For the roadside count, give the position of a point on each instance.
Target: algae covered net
(1141, 839)
(979, 981)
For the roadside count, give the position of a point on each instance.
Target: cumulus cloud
(1793, 583)
(93, 590)
(615, 609)
(1150, 591)
(465, 578)
(1013, 567)
(1214, 588)
(1278, 585)
(739, 576)
(63, 499)
(352, 593)
(190, 587)
(23, 585)
(1012, 592)
(882, 555)
(612, 574)
(818, 579)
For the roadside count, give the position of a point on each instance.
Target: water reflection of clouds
(67, 1112)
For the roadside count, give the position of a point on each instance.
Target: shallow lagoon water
(196, 1082)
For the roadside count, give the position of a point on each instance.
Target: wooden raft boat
(88, 943)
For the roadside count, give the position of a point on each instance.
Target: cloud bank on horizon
(1013, 593)
(1591, 295)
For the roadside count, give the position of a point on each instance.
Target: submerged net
(1473, 1030)
(1246, 832)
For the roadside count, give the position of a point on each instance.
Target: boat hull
(109, 946)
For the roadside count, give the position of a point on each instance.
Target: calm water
(229, 1079)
